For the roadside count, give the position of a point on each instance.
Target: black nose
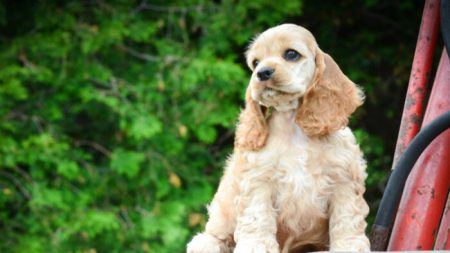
(265, 73)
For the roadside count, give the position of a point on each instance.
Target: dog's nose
(265, 73)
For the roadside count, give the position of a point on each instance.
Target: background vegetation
(116, 116)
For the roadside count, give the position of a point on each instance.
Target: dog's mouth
(275, 91)
(279, 98)
(270, 95)
(275, 99)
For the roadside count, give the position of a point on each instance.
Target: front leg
(256, 222)
(218, 234)
(347, 220)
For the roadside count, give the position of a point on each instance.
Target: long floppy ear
(330, 99)
(252, 129)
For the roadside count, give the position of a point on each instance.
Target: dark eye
(255, 63)
(291, 55)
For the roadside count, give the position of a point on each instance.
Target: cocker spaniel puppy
(295, 181)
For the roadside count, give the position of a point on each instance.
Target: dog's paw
(269, 246)
(205, 243)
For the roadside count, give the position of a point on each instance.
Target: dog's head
(283, 63)
(291, 72)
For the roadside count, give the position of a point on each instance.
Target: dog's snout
(265, 73)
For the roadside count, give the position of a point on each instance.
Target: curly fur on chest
(301, 175)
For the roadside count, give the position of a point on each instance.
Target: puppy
(295, 180)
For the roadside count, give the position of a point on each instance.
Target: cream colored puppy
(295, 180)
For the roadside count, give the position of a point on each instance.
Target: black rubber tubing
(394, 189)
(445, 24)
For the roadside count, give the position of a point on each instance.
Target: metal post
(418, 80)
(425, 195)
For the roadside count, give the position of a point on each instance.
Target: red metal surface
(443, 238)
(417, 87)
(425, 194)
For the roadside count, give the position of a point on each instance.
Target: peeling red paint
(424, 200)
(418, 81)
(443, 236)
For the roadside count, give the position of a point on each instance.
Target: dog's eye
(255, 63)
(291, 55)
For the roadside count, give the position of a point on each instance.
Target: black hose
(445, 24)
(394, 189)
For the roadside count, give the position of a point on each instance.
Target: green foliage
(116, 116)
(126, 162)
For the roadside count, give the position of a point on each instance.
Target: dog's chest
(297, 174)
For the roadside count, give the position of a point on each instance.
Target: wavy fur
(295, 180)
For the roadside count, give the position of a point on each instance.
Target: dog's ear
(329, 100)
(252, 129)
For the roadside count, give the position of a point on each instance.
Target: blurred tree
(116, 116)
